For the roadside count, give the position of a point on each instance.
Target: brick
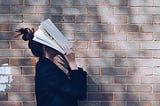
(155, 103)
(150, 45)
(136, 103)
(113, 88)
(148, 97)
(147, 80)
(140, 36)
(6, 103)
(29, 103)
(141, 71)
(22, 9)
(113, 53)
(49, 10)
(141, 3)
(95, 2)
(69, 35)
(124, 11)
(101, 28)
(15, 26)
(137, 62)
(73, 11)
(13, 88)
(28, 70)
(11, 19)
(150, 28)
(89, 103)
(156, 37)
(117, 103)
(156, 88)
(11, 53)
(3, 96)
(4, 9)
(126, 45)
(69, 3)
(88, 36)
(139, 88)
(105, 79)
(100, 96)
(116, 3)
(4, 79)
(156, 71)
(7, 70)
(87, 53)
(114, 36)
(103, 10)
(4, 61)
(11, 2)
(4, 27)
(80, 44)
(64, 19)
(34, 18)
(88, 19)
(81, 62)
(37, 2)
(28, 53)
(127, 79)
(93, 88)
(149, 11)
(27, 79)
(4, 18)
(127, 28)
(6, 36)
(4, 44)
(100, 45)
(140, 19)
(61, 3)
(77, 3)
(126, 97)
(123, 62)
(139, 54)
(15, 18)
(27, 88)
(113, 71)
(102, 62)
(157, 2)
(20, 96)
(93, 71)
(75, 27)
(114, 19)
(22, 62)
(19, 45)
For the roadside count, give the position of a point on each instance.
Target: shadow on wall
(107, 50)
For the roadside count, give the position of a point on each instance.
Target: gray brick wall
(116, 41)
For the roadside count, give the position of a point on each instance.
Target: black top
(54, 88)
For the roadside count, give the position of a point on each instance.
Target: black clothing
(54, 88)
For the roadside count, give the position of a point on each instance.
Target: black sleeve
(78, 79)
(58, 82)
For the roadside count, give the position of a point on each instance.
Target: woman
(58, 80)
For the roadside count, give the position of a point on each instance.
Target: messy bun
(27, 35)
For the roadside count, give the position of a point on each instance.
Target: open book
(49, 35)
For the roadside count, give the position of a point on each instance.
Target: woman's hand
(70, 56)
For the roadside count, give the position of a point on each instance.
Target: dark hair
(27, 35)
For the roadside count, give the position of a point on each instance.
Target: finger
(68, 50)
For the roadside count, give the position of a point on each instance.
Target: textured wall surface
(116, 41)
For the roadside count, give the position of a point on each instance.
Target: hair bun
(27, 33)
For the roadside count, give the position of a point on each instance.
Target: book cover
(49, 35)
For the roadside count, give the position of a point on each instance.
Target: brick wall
(116, 41)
